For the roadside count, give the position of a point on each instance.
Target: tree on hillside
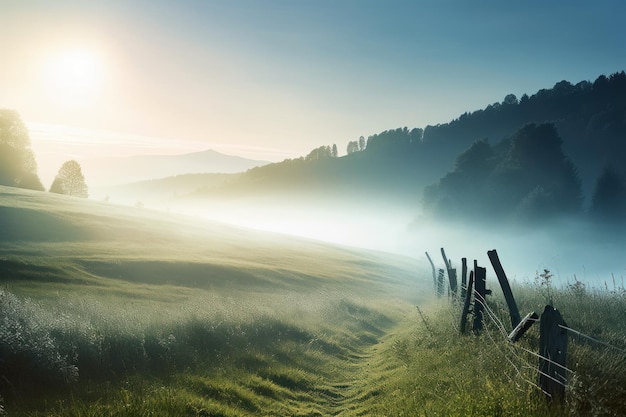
(477, 160)
(353, 146)
(70, 181)
(323, 152)
(510, 99)
(608, 201)
(527, 177)
(461, 187)
(334, 152)
(390, 141)
(361, 143)
(17, 162)
(537, 168)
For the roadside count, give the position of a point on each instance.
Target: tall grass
(236, 355)
(437, 371)
(286, 354)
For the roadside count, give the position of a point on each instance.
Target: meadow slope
(111, 310)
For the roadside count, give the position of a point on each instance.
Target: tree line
(559, 150)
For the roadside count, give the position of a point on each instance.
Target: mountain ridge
(122, 170)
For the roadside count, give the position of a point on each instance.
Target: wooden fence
(472, 299)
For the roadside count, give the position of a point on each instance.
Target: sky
(274, 79)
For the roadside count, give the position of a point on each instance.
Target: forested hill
(590, 118)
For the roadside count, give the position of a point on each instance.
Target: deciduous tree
(353, 146)
(70, 181)
(17, 162)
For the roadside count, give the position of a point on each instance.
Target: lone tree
(17, 162)
(70, 181)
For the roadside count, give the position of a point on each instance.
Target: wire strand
(593, 339)
(545, 359)
(492, 316)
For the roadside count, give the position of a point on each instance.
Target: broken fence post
(552, 354)
(480, 284)
(440, 283)
(463, 277)
(432, 265)
(451, 274)
(467, 302)
(506, 288)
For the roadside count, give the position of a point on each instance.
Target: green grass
(435, 371)
(131, 312)
(232, 359)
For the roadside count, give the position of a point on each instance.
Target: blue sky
(274, 79)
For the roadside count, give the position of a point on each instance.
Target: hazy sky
(275, 78)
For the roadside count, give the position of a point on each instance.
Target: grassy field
(112, 311)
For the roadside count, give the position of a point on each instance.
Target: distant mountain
(113, 171)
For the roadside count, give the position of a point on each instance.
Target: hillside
(182, 316)
(100, 240)
(398, 163)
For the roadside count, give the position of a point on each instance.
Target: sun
(73, 77)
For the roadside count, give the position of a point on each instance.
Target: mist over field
(539, 178)
(571, 248)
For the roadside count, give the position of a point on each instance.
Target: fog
(571, 250)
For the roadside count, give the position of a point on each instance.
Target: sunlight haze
(74, 78)
(288, 76)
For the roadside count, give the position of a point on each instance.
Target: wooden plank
(523, 326)
(506, 288)
(553, 353)
(467, 302)
(480, 292)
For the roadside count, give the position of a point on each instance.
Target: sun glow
(73, 78)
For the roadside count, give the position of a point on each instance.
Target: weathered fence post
(445, 258)
(553, 352)
(440, 283)
(451, 273)
(480, 283)
(432, 265)
(466, 303)
(453, 282)
(463, 277)
(506, 288)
